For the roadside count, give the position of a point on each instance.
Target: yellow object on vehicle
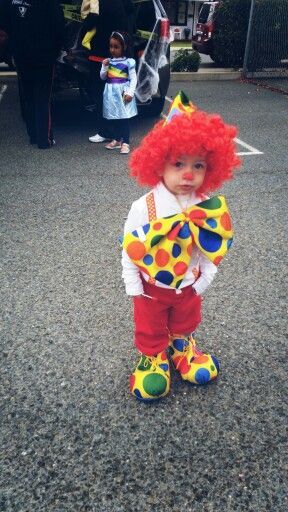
(86, 41)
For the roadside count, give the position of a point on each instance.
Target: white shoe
(97, 138)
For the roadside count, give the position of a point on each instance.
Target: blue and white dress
(120, 76)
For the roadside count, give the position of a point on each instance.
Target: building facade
(183, 16)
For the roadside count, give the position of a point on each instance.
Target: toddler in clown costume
(174, 238)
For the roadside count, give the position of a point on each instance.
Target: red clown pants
(167, 312)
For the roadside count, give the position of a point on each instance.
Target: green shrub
(269, 33)
(186, 60)
(229, 36)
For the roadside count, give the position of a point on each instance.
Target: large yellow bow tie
(163, 248)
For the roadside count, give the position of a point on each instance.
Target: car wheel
(215, 60)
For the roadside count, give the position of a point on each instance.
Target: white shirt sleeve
(89, 6)
(103, 72)
(207, 273)
(130, 272)
(133, 81)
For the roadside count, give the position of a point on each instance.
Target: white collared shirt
(166, 204)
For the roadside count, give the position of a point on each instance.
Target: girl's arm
(104, 69)
(130, 272)
(207, 273)
(130, 91)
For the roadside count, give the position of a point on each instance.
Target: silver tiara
(118, 34)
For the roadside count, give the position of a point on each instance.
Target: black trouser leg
(109, 129)
(21, 99)
(43, 92)
(36, 88)
(125, 130)
(27, 100)
(106, 128)
(121, 127)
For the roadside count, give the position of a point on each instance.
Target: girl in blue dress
(119, 103)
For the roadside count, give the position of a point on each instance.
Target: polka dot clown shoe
(151, 378)
(193, 365)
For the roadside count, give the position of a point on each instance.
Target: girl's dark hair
(125, 42)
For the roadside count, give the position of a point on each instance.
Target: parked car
(202, 41)
(151, 49)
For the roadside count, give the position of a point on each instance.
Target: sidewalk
(206, 74)
(207, 70)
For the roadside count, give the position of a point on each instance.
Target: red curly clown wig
(198, 133)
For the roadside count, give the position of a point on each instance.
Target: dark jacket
(113, 15)
(35, 29)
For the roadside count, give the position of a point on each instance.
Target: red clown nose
(188, 176)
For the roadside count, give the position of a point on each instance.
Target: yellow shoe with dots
(151, 378)
(193, 365)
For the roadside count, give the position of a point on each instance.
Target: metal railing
(266, 52)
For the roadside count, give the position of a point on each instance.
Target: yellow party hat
(180, 105)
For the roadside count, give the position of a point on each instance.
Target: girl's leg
(114, 133)
(125, 131)
(125, 127)
(121, 129)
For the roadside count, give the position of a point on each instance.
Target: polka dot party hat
(180, 105)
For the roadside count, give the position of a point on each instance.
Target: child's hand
(127, 98)
(105, 62)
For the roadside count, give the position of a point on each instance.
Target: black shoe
(47, 146)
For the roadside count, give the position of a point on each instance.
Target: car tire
(215, 60)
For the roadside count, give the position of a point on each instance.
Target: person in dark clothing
(36, 31)
(112, 15)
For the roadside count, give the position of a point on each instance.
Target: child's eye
(179, 164)
(199, 165)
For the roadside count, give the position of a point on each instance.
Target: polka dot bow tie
(163, 248)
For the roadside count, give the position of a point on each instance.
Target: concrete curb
(206, 74)
(202, 74)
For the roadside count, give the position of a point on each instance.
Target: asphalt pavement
(73, 439)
